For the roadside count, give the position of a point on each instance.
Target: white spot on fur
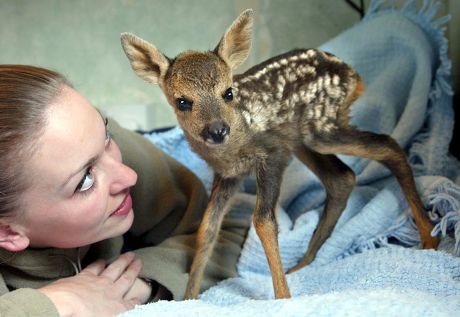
(294, 99)
(280, 88)
(281, 84)
(334, 92)
(247, 117)
(336, 80)
(311, 53)
(320, 83)
(328, 127)
(331, 112)
(327, 81)
(334, 59)
(318, 112)
(282, 81)
(292, 77)
(244, 93)
(303, 56)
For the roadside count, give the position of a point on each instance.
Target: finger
(131, 303)
(95, 268)
(126, 281)
(115, 269)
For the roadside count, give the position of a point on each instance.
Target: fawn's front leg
(269, 175)
(223, 189)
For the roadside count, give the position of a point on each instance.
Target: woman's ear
(11, 239)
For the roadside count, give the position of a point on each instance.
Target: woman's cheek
(94, 211)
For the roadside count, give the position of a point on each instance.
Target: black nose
(217, 131)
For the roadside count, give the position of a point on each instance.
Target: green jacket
(168, 201)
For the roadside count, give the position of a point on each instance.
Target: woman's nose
(122, 177)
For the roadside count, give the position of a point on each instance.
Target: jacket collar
(45, 263)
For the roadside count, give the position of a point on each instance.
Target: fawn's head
(198, 85)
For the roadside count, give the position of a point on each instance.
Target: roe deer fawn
(297, 102)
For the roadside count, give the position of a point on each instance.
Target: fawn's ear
(234, 46)
(146, 60)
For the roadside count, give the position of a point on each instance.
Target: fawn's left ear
(234, 46)
(146, 60)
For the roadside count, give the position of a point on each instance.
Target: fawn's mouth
(214, 143)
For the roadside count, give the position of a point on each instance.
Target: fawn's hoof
(294, 268)
(190, 295)
(303, 262)
(430, 242)
(283, 295)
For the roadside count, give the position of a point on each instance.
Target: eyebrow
(92, 160)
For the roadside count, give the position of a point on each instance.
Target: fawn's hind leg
(338, 181)
(385, 150)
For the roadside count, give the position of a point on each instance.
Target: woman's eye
(183, 104)
(86, 182)
(228, 95)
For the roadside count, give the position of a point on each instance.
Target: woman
(70, 206)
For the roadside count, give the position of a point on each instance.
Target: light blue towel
(376, 283)
(370, 265)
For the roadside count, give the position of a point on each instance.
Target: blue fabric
(371, 263)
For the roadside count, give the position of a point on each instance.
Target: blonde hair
(25, 94)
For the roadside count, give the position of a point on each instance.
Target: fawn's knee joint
(343, 184)
(349, 178)
(264, 222)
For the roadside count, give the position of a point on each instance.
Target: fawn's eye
(228, 95)
(183, 104)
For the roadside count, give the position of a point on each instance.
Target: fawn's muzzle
(216, 132)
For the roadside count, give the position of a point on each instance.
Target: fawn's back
(301, 90)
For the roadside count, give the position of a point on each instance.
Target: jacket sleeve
(168, 203)
(26, 302)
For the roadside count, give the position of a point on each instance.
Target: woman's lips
(125, 207)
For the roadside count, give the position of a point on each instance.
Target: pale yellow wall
(80, 38)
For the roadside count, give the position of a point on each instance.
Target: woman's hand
(140, 290)
(99, 290)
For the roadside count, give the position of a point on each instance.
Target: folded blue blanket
(370, 264)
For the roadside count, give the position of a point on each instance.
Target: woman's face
(79, 190)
